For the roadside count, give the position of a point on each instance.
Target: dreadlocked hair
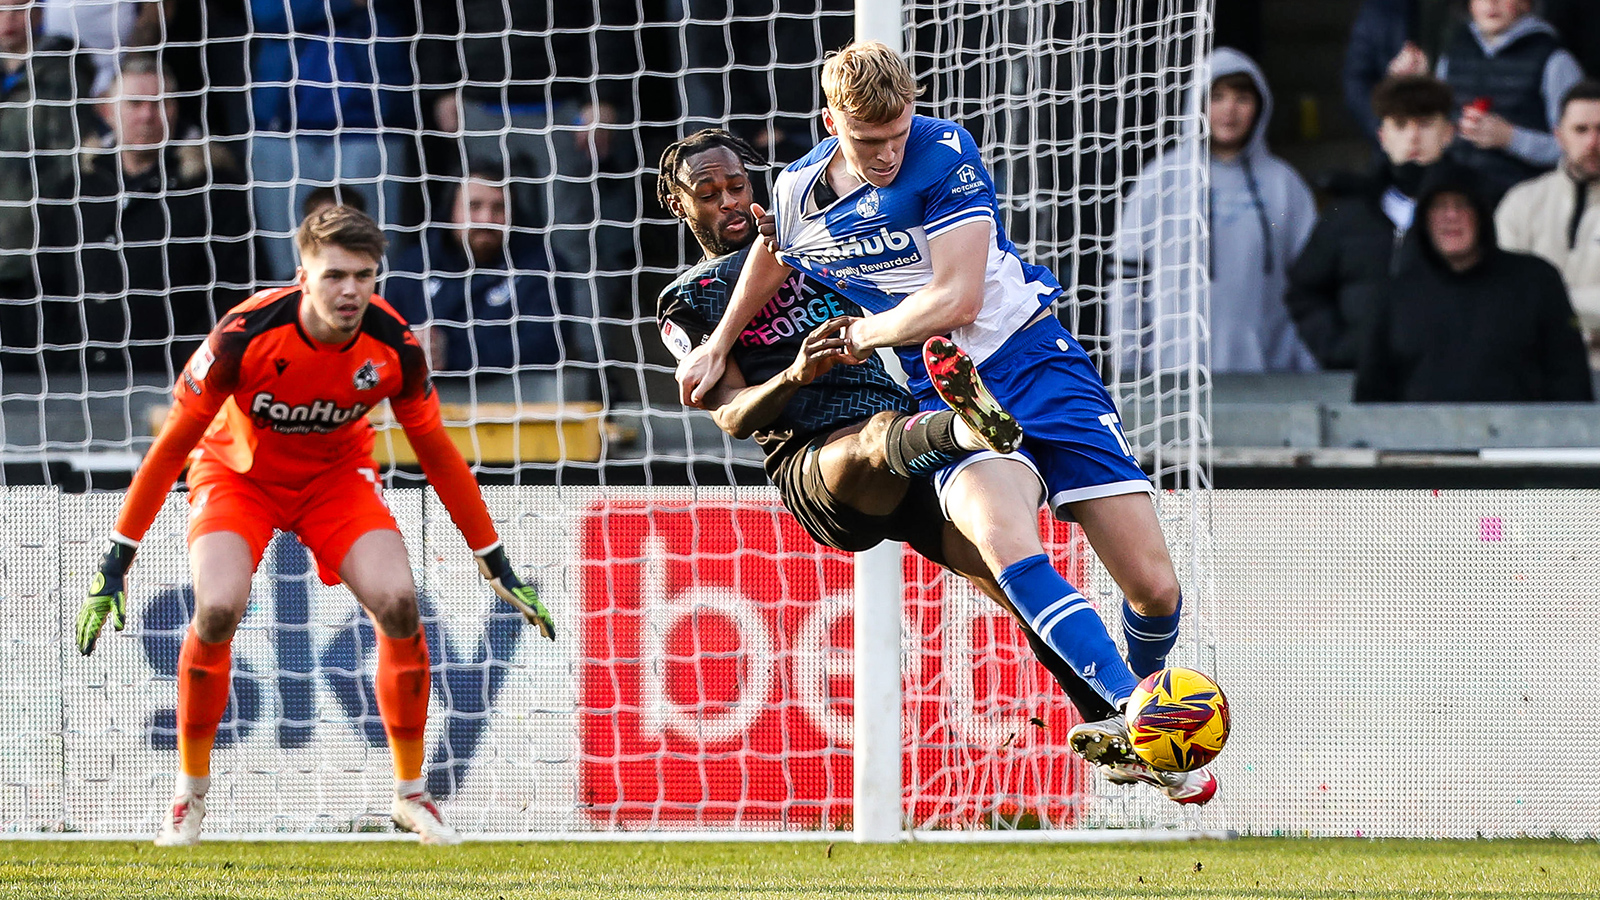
(699, 142)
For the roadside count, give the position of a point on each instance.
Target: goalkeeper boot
(956, 378)
(418, 814)
(182, 827)
(1192, 788)
(1104, 743)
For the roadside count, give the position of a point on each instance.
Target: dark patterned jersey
(689, 309)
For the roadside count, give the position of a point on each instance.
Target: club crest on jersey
(366, 377)
(867, 206)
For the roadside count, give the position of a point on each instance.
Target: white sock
(192, 785)
(966, 437)
(414, 786)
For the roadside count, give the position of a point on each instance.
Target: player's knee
(215, 621)
(395, 612)
(1154, 592)
(857, 465)
(1002, 542)
(871, 447)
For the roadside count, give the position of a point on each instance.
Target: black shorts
(917, 521)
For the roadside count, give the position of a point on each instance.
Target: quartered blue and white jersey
(872, 243)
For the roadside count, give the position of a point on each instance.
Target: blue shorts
(1074, 437)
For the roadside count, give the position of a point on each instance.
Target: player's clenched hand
(766, 226)
(497, 569)
(107, 598)
(698, 373)
(821, 350)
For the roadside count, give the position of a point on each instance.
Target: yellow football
(1178, 720)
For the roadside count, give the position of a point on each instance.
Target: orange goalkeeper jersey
(293, 407)
(266, 400)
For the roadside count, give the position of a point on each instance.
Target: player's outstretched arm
(107, 597)
(739, 409)
(759, 280)
(951, 299)
(458, 490)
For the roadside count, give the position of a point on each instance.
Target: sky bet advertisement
(702, 678)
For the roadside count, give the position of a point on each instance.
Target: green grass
(1256, 869)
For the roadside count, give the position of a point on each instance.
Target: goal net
(701, 681)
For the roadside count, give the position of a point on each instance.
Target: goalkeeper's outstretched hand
(107, 599)
(497, 568)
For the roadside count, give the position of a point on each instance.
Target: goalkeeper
(273, 406)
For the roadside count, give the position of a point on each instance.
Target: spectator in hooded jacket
(1509, 74)
(534, 87)
(1557, 216)
(1467, 322)
(479, 295)
(1261, 214)
(1338, 279)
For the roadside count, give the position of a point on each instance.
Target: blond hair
(869, 82)
(340, 226)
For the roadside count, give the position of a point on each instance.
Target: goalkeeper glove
(497, 569)
(107, 598)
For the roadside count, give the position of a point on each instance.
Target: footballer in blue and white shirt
(898, 213)
(872, 244)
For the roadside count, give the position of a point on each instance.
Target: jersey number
(371, 476)
(1112, 422)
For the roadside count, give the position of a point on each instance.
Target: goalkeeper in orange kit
(274, 406)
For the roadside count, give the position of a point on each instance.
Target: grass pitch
(1254, 869)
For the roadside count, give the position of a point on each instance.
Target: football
(1178, 720)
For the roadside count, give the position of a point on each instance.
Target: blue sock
(1068, 623)
(1150, 638)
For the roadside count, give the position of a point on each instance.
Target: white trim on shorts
(943, 477)
(1058, 503)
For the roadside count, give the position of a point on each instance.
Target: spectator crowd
(156, 156)
(1463, 265)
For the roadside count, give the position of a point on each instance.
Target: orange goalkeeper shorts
(328, 514)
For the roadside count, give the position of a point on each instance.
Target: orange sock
(203, 671)
(403, 700)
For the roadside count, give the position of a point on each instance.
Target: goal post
(878, 708)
